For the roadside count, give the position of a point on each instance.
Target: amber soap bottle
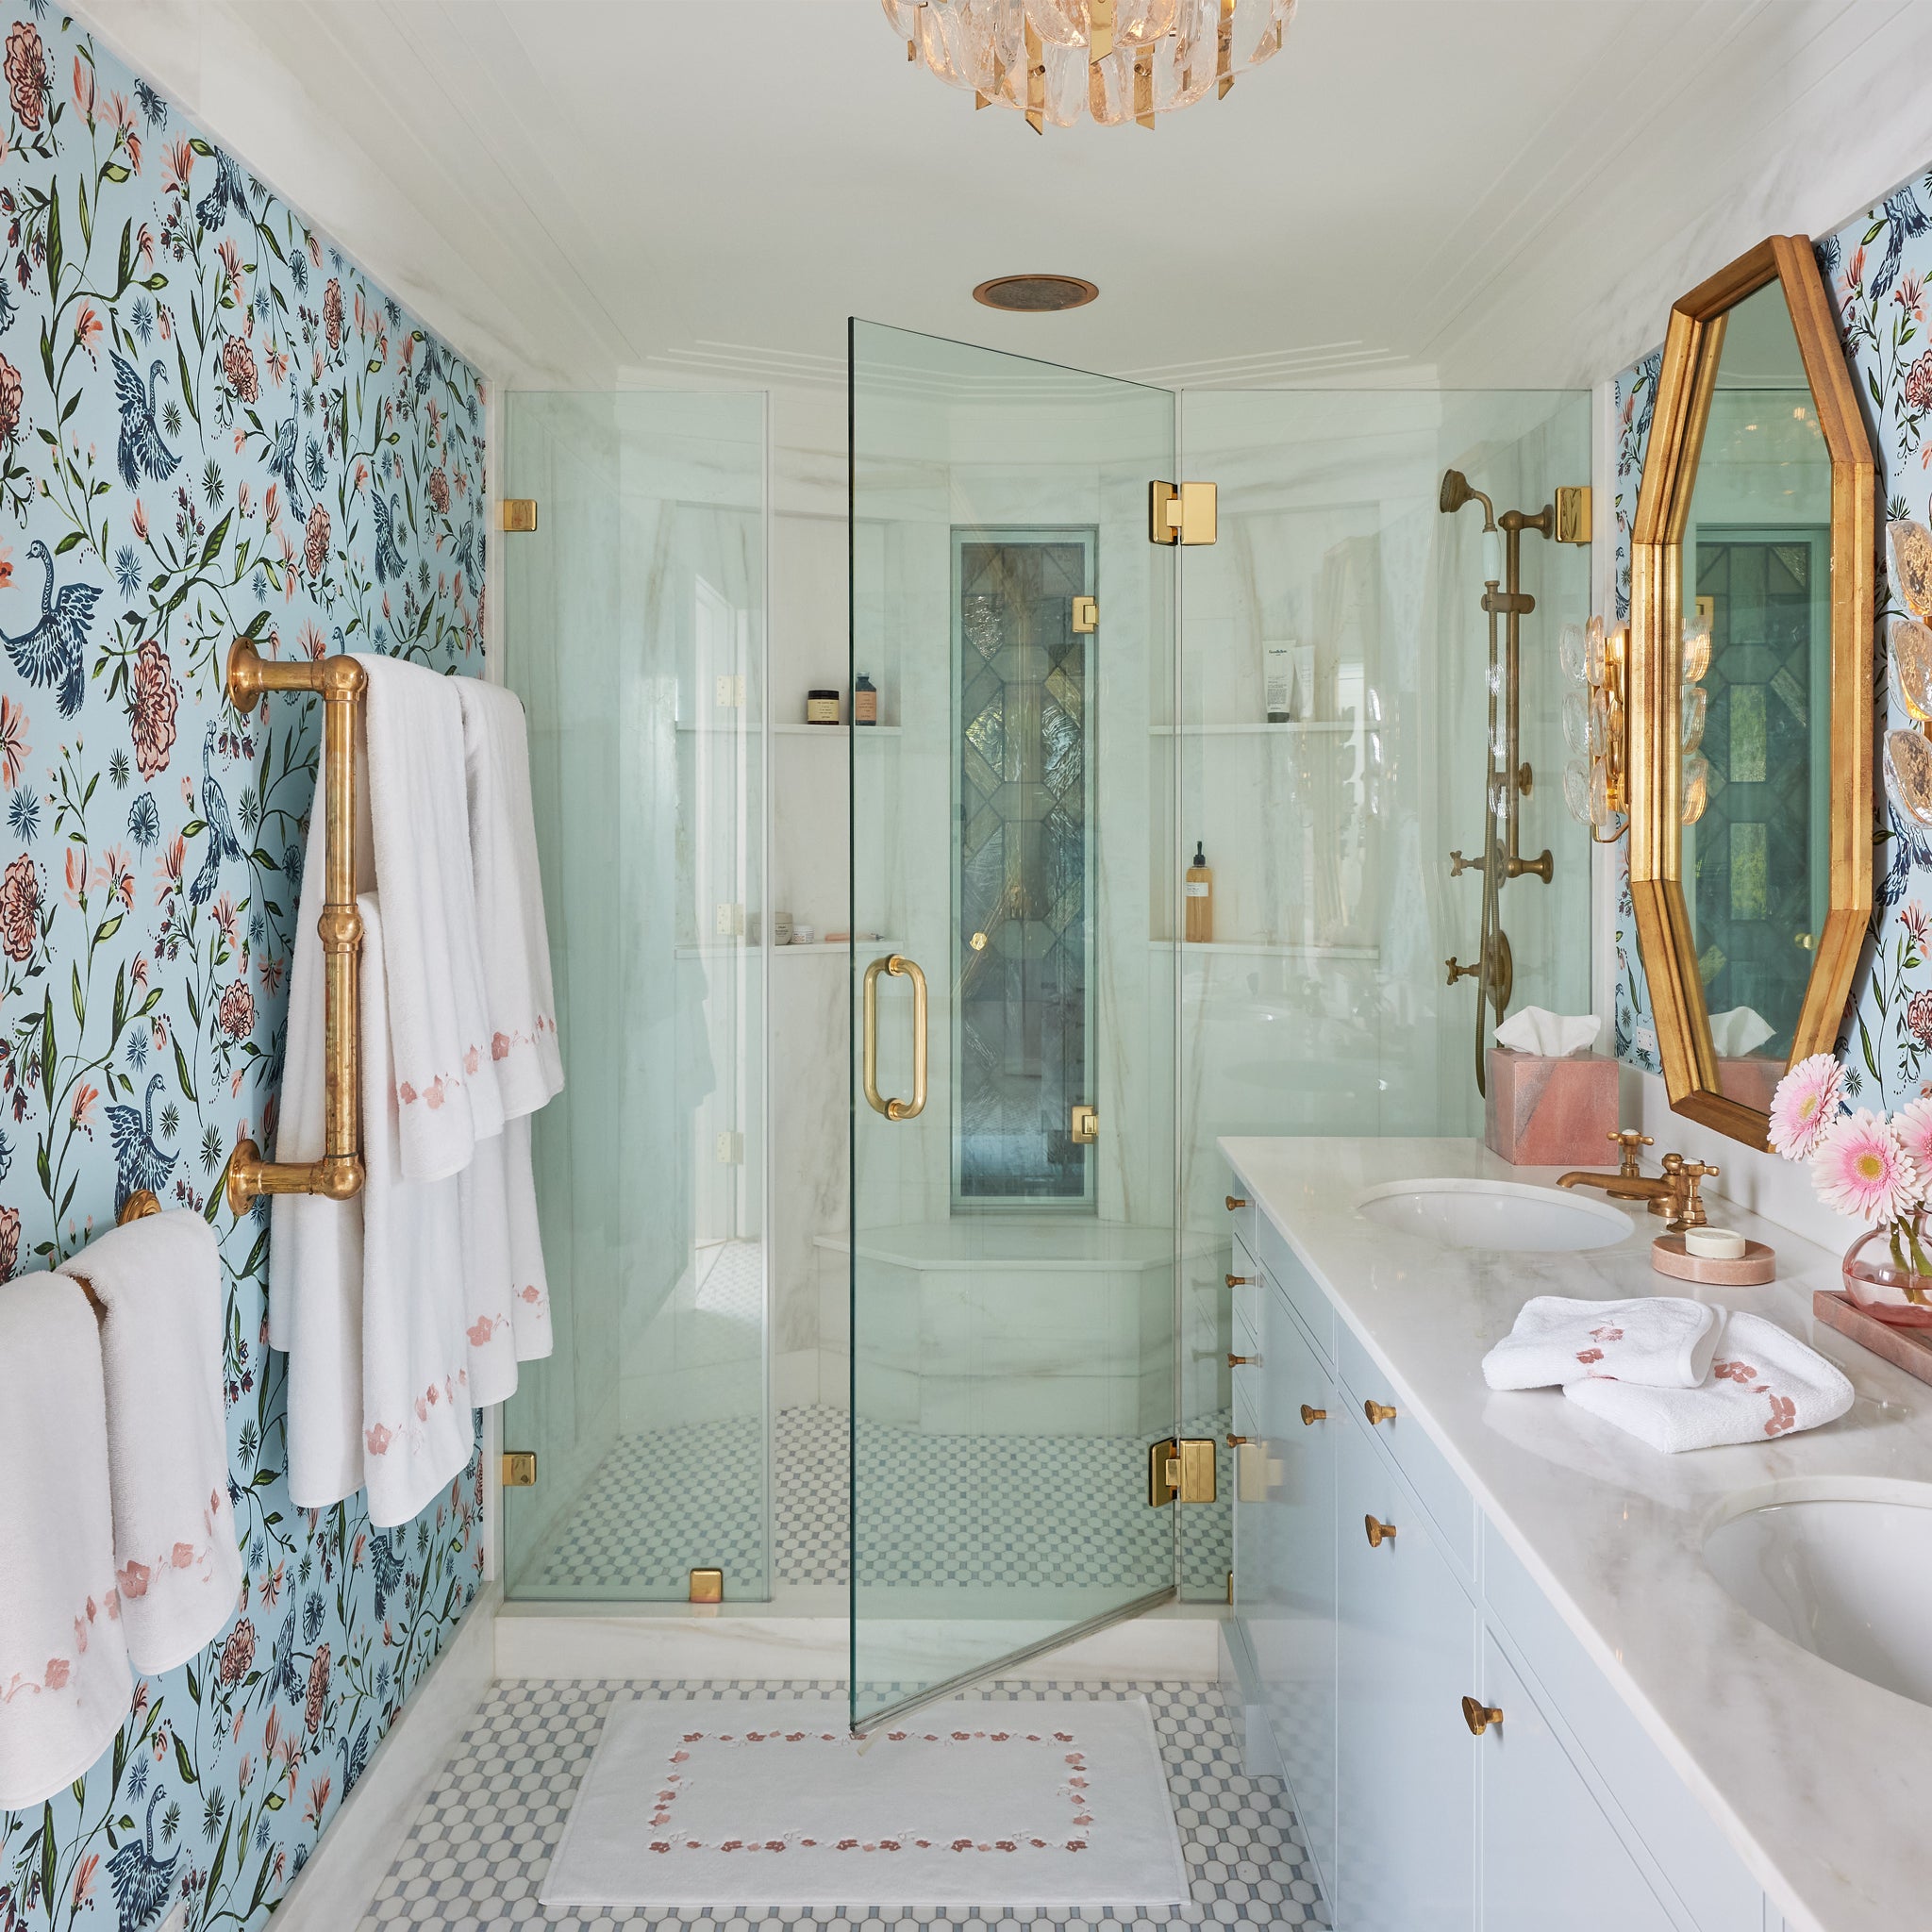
(1199, 898)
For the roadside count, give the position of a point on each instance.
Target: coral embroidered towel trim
(1763, 1384)
(1042, 1802)
(1665, 1340)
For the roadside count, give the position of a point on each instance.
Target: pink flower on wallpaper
(238, 365)
(9, 1242)
(332, 313)
(12, 398)
(1918, 385)
(318, 1689)
(236, 1011)
(20, 909)
(315, 541)
(26, 72)
(14, 749)
(238, 1652)
(153, 700)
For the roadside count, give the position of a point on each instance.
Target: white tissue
(1738, 1032)
(1554, 1035)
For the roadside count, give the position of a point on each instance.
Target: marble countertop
(1820, 1780)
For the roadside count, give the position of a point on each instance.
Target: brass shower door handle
(898, 966)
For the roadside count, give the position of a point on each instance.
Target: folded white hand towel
(159, 1284)
(446, 1091)
(310, 1238)
(482, 1190)
(1763, 1383)
(509, 897)
(1663, 1340)
(65, 1687)
(529, 1306)
(416, 1427)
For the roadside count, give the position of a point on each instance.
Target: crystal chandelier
(1112, 59)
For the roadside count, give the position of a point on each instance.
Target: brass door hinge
(1086, 615)
(1180, 1470)
(707, 1587)
(519, 1469)
(1573, 514)
(1184, 514)
(519, 513)
(1084, 1125)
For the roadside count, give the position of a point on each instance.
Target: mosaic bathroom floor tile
(1068, 1510)
(478, 1848)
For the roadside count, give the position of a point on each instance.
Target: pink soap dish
(1756, 1265)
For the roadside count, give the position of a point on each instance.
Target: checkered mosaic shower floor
(1065, 1511)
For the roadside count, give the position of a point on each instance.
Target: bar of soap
(1714, 1243)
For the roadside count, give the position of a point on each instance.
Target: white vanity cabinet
(1362, 1647)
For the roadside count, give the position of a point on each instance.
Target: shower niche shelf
(1301, 727)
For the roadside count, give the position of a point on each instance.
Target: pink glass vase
(1879, 1286)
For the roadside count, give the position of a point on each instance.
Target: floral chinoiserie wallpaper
(1876, 270)
(211, 423)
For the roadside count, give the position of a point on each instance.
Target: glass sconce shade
(1697, 787)
(1911, 650)
(1576, 722)
(1908, 773)
(1577, 790)
(1696, 703)
(1696, 653)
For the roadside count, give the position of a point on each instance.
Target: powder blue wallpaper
(211, 423)
(1876, 269)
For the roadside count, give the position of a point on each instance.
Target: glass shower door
(1013, 982)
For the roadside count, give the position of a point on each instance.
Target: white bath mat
(1044, 1802)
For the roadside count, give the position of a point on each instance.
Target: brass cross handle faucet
(1674, 1195)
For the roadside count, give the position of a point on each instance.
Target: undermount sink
(1506, 1215)
(1844, 1576)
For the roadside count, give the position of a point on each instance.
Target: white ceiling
(578, 193)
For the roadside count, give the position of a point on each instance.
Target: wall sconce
(1694, 702)
(1908, 652)
(1594, 789)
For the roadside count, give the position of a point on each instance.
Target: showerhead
(1455, 491)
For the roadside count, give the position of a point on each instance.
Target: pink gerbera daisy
(1913, 1126)
(1861, 1168)
(1804, 1104)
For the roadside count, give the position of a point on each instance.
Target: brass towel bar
(340, 682)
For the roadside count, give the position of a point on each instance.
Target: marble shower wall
(1875, 270)
(211, 423)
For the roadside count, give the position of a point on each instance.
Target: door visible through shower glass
(1014, 1262)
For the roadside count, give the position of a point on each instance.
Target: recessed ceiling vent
(1035, 294)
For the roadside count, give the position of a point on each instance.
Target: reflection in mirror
(1756, 702)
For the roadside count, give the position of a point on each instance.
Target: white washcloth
(311, 1239)
(1763, 1383)
(446, 1091)
(509, 897)
(1664, 1341)
(1538, 1030)
(65, 1687)
(481, 1191)
(158, 1284)
(417, 1432)
(1739, 1031)
(529, 1308)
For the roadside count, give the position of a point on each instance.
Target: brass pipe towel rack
(340, 681)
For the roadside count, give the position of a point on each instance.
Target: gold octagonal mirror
(1750, 686)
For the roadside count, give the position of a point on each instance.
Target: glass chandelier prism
(1104, 60)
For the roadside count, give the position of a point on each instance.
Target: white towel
(446, 1091)
(158, 1284)
(311, 1239)
(509, 897)
(65, 1687)
(1763, 1383)
(490, 1326)
(414, 1412)
(529, 1308)
(1663, 1340)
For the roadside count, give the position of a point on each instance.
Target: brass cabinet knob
(1479, 1716)
(1379, 1411)
(1312, 1416)
(1244, 1362)
(1235, 1201)
(1240, 1281)
(1239, 1442)
(1378, 1533)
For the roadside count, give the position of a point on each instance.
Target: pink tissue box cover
(1550, 1112)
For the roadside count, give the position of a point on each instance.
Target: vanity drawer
(1403, 1442)
(1689, 1849)
(1282, 1267)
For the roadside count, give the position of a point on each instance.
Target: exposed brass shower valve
(1459, 865)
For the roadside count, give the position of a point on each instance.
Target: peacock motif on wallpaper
(213, 425)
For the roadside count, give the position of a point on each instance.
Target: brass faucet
(1674, 1195)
